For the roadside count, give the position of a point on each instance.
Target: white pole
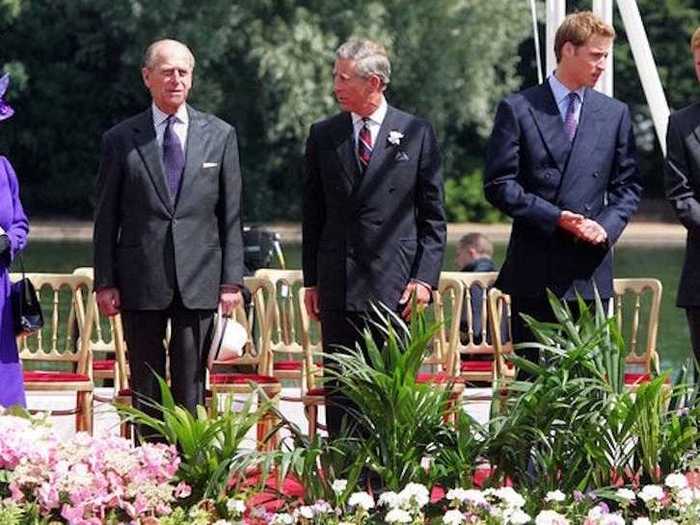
(604, 9)
(536, 36)
(646, 67)
(556, 11)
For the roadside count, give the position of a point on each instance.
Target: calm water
(662, 263)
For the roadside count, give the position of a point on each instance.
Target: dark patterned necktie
(364, 145)
(570, 122)
(173, 158)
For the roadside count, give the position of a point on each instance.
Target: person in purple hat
(14, 228)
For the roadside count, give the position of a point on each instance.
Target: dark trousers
(342, 330)
(693, 315)
(144, 332)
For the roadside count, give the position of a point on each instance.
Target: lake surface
(664, 263)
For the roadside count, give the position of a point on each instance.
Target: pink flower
(72, 514)
(183, 490)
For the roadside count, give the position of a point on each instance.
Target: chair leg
(312, 416)
(84, 417)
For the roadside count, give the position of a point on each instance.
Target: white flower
(453, 517)
(510, 497)
(676, 481)
(361, 499)
(282, 519)
(416, 493)
(389, 499)
(339, 485)
(666, 522)
(642, 521)
(612, 519)
(549, 517)
(394, 137)
(306, 512)
(651, 493)
(398, 516)
(518, 517)
(625, 494)
(685, 497)
(595, 513)
(235, 506)
(322, 507)
(555, 495)
(222, 522)
(474, 497)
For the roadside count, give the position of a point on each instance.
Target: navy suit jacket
(533, 173)
(366, 236)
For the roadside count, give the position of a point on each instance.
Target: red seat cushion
(476, 366)
(439, 377)
(105, 364)
(240, 379)
(635, 379)
(317, 392)
(125, 392)
(288, 365)
(53, 377)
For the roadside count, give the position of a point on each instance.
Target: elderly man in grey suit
(167, 239)
(682, 181)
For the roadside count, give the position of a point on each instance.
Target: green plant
(210, 446)
(397, 416)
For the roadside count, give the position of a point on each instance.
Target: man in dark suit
(562, 162)
(167, 227)
(682, 180)
(373, 225)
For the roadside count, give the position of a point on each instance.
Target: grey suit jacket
(682, 181)
(148, 246)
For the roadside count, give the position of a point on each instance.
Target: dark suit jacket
(533, 173)
(366, 236)
(146, 245)
(682, 181)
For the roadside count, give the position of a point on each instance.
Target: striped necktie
(364, 146)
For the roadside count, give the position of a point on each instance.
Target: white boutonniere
(394, 137)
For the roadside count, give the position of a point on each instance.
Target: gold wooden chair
(498, 304)
(53, 359)
(474, 347)
(253, 370)
(636, 306)
(314, 395)
(286, 345)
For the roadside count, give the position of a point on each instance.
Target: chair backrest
(473, 334)
(448, 302)
(257, 319)
(499, 306)
(286, 338)
(66, 302)
(310, 340)
(637, 305)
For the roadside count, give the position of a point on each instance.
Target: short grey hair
(149, 56)
(370, 58)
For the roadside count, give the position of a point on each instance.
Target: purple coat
(14, 222)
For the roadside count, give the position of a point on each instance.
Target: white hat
(228, 342)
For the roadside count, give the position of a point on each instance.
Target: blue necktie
(570, 122)
(173, 158)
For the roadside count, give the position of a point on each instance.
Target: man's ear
(145, 75)
(568, 49)
(375, 82)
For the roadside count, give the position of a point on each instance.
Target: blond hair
(695, 40)
(577, 28)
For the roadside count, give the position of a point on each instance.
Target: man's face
(351, 90)
(696, 61)
(169, 79)
(587, 62)
(464, 256)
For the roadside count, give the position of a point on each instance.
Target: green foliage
(577, 426)
(465, 201)
(261, 65)
(397, 417)
(210, 446)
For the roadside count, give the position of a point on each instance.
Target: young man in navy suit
(562, 163)
(373, 220)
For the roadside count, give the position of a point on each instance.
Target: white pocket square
(210, 164)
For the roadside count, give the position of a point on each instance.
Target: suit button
(596, 174)
(587, 207)
(547, 175)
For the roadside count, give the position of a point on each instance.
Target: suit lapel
(696, 131)
(548, 119)
(197, 138)
(147, 146)
(345, 148)
(380, 151)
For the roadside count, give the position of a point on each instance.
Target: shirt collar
(159, 116)
(377, 117)
(560, 91)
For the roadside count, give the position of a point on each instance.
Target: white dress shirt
(182, 120)
(374, 122)
(561, 92)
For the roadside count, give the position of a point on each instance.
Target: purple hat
(5, 110)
